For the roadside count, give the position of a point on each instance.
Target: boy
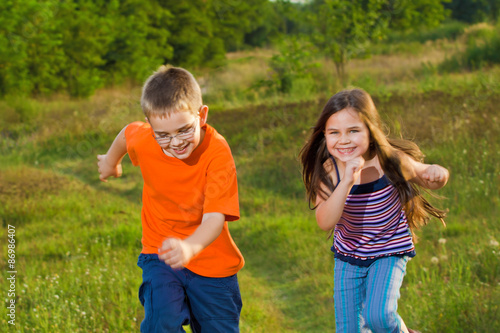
(188, 257)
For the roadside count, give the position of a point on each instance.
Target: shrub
(450, 30)
(483, 49)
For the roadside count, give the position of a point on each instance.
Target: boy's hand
(175, 252)
(106, 170)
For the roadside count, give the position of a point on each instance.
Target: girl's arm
(329, 211)
(430, 176)
(110, 163)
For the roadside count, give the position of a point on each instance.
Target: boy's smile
(180, 133)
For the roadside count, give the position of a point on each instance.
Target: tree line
(78, 46)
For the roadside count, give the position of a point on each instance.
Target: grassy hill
(77, 239)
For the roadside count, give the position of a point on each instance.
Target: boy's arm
(110, 163)
(176, 252)
(430, 176)
(328, 212)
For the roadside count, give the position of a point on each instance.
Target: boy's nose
(175, 140)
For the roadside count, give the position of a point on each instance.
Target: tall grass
(78, 239)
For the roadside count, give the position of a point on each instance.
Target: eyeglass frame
(191, 130)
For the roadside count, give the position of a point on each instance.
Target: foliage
(237, 20)
(473, 11)
(293, 63)
(141, 41)
(450, 30)
(77, 46)
(483, 49)
(404, 15)
(30, 47)
(345, 29)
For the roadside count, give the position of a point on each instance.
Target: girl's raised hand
(353, 169)
(435, 174)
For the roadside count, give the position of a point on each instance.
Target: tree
(406, 15)
(30, 47)
(233, 19)
(141, 41)
(345, 28)
(472, 11)
(202, 31)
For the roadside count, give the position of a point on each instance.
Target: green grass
(77, 239)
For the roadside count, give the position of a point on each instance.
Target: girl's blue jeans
(366, 298)
(173, 298)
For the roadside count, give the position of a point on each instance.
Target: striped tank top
(373, 224)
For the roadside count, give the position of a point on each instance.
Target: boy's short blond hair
(169, 90)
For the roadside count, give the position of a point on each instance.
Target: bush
(450, 30)
(293, 63)
(483, 49)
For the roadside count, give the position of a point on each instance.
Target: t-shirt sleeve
(131, 138)
(221, 190)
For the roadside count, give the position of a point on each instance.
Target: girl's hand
(435, 174)
(106, 170)
(175, 252)
(353, 169)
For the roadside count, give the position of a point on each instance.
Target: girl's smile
(346, 150)
(347, 136)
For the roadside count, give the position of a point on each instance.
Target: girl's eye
(354, 131)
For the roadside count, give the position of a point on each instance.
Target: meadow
(77, 239)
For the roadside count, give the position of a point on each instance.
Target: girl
(365, 189)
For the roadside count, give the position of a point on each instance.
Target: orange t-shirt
(176, 194)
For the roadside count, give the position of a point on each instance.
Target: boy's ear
(203, 115)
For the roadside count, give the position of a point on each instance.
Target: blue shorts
(173, 298)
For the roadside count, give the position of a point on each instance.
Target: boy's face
(180, 133)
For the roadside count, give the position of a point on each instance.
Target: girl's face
(347, 136)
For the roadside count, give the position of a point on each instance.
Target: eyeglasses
(185, 134)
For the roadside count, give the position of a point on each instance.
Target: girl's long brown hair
(314, 154)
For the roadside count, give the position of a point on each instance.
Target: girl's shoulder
(331, 169)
